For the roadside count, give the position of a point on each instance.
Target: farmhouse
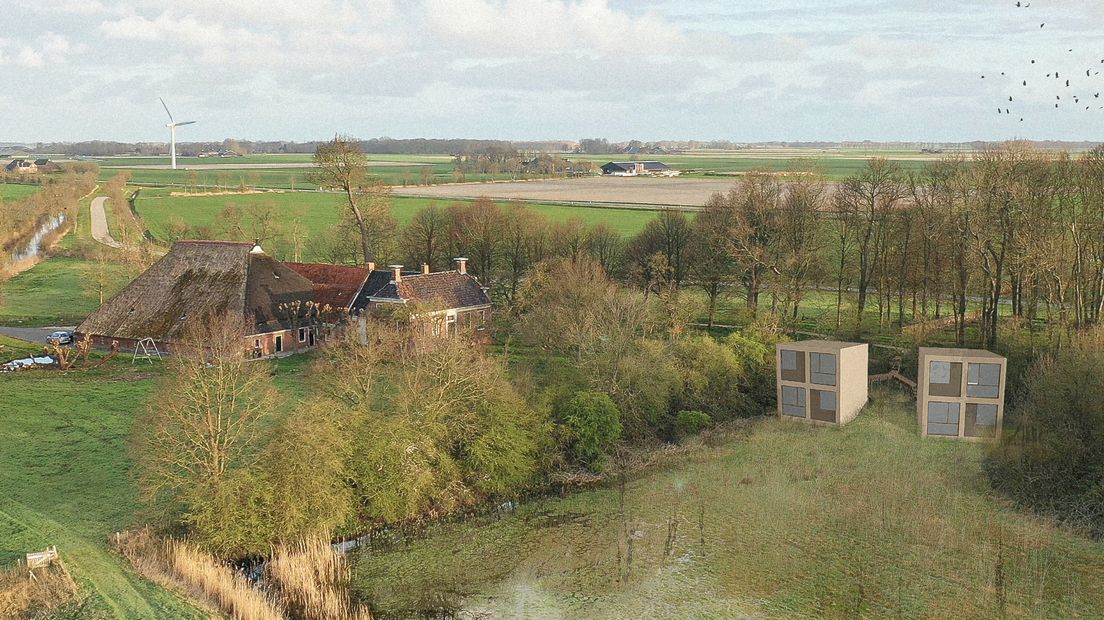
(638, 168)
(21, 166)
(821, 382)
(197, 279)
(960, 393)
(453, 300)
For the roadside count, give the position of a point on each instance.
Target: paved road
(99, 223)
(36, 335)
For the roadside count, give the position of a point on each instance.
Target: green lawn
(15, 191)
(321, 210)
(65, 480)
(66, 474)
(57, 291)
(784, 521)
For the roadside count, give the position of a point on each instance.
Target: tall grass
(23, 595)
(311, 581)
(307, 580)
(180, 566)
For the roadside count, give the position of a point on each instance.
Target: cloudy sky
(744, 70)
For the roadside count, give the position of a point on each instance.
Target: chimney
(425, 268)
(371, 266)
(461, 264)
(397, 275)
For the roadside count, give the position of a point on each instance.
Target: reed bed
(307, 580)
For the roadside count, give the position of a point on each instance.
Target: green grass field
(835, 164)
(57, 292)
(15, 191)
(65, 480)
(66, 475)
(321, 210)
(783, 521)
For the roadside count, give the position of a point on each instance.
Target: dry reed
(185, 568)
(311, 580)
(22, 594)
(305, 581)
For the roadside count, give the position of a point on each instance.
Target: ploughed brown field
(612, 191)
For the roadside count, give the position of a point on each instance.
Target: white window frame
(303, 334)
(278, 346)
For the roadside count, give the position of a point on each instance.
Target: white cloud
(29, 58)
(491, 26)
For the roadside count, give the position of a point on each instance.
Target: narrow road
(99, 223)
(36, 335)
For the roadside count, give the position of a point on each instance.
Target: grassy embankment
(66, 476)
(783, 521)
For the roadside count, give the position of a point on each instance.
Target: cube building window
(793, 401)
(822, 368)
(945, 379)
(981, 420)
(792, 365)
(943, 418)
(983, 380)
(823, 406)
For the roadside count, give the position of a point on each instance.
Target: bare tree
(866, 200)
(207, 413)
(342, 166)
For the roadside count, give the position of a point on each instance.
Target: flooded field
(784, 521)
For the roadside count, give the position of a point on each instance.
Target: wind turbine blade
(166, 109)
(185, 123)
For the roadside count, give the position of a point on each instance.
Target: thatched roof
(197, 279)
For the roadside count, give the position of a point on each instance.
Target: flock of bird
(1092, 97)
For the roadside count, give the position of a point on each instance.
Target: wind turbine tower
(172, 125)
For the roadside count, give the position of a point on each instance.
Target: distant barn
(638, 168)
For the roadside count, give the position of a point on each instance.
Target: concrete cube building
(820, 381)
(960, 393)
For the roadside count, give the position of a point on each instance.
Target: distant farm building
(638, 168)
(198, 279)
(821, 381)
(960, 393)
(21, 166)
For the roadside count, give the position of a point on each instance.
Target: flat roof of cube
(964, 353)
(818, 345)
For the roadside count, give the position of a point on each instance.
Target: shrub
(595, 424)
(712, 378)
(754, 349)
(1052, 457)
(692, 422)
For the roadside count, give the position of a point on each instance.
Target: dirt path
(99, 223)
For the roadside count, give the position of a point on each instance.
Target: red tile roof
(334, 285)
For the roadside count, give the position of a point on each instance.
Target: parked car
(60, 337)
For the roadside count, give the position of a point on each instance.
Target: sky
(740, 70)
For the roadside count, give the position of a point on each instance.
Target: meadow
(419, 170)
(15, 191)
(771, 520)
(66, 476)
(65, 480)
(321, 210)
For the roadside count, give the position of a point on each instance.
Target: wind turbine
(172, 125)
